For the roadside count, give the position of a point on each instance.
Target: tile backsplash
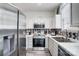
(73, 33)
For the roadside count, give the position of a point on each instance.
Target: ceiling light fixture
(39, 4)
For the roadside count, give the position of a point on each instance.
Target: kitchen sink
(61, 39)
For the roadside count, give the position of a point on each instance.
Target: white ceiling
(36, 6)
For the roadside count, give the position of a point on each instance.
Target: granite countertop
(71, 47)
(59, 36)
(36, 36)
(55, 35)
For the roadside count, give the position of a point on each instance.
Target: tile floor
(22, 52)
(37, 51)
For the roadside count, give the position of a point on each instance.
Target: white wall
(48, 18)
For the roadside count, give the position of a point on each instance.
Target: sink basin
(61, 39)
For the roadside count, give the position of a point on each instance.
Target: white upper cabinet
(75, 14)
(58, 21)
(22, 21)
(65, 16)
(1, 46)
(69, 15)
(0, 17)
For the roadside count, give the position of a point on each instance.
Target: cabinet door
(53, 47)
(75, 14)
(30, 42)
(58, 21)
(65, 16)
(0, 18)
(27, 42)
(22, 21)
(1, 46)
(46, 42)
(49, 44)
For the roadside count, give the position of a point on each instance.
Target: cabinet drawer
(30, 45)
(30, 39)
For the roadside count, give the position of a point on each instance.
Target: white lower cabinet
(29, 41)
(53, 47)
(46, 42)
(1, 46)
